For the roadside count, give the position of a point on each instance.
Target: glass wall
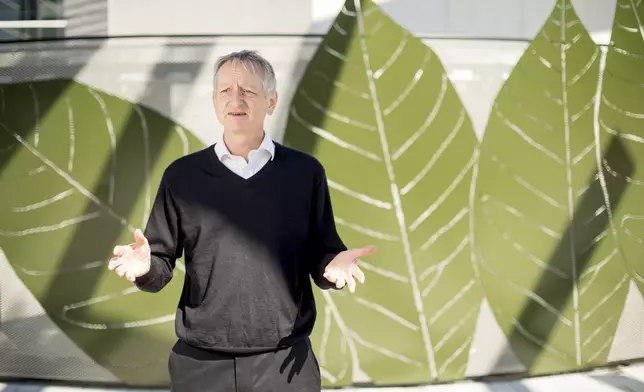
(31, 19)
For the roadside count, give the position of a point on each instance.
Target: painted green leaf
(336, 352)
(377, 109)
(82, 168)
(621, 116)
(547, 260)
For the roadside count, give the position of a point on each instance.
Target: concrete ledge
(630, 378)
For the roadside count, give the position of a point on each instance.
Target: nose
(236, 98)
(235, 93)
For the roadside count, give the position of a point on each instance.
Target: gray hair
(257, 64)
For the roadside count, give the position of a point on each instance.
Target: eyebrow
(253, 87)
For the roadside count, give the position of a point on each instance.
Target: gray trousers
(294, 369)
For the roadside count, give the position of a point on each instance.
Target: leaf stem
(571, 201)
(395, 193)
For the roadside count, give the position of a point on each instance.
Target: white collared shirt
(256, 158)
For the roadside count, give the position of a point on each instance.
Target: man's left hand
(344, 267)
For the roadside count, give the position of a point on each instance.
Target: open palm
(133, 260)
(344, 269)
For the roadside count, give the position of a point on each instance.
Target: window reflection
(30, 19)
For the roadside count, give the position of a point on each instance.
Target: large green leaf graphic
(377, 109)
(547, 260)
(621, 116)
(79, 170)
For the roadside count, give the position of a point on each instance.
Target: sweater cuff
(143, 282)
(322, 282)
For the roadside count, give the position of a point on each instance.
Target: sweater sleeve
(326, 242)
(164, 236)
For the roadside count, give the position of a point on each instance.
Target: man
(254, 221)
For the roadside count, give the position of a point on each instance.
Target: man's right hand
(133, 260)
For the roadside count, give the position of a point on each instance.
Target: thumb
(365, 251)
(139, 237)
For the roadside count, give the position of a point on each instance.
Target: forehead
(239, 72)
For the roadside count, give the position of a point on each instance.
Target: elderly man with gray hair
(254, 222)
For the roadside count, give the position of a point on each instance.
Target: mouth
(237, 114)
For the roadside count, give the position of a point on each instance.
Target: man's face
(241, 104)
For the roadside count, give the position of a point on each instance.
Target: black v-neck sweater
(250, 247)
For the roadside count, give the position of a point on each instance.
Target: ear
(272, 103)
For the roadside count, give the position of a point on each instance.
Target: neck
(241, 144)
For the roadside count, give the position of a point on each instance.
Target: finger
(114, 262)
(121, 269)
(352, 284)
(130, 276)
(361, 252)
(120, 250)
(331, 276)
(358, 274)
(139, 237)
(340, 282)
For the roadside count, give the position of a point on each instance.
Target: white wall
(174, 75)
(85, 17)
(507, 19)
(133, 17)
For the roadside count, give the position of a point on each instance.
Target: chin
(238, 127)
(239, 124)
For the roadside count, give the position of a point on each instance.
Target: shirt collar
(222, 151)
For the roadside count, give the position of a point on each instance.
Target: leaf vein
(615, 174)
(146, 163)
(621, 111)
(533, 296)
(546, 230)
(615, 132)
(394, 56)
(449, 304)
(388, 313)
(601, 349)
(40, 204)
(72, 134)
(595, 271)
(359, 196)
(525, 136)
(524, 183)
(628, 232)
(585, 68)
(48, 228)
(340, 85)
(428, 121)
(444, 229)
(34, 97)
(110, 131)
(455, 328)
(605, 299)
(455, 355)
(332, 138)
(69, 179)
(410, 86)
(596, 332)
(440, 267)
(383, 272)
(444, 196)
(104, 326)
(365, 230)
(344, 119)
(384, 351)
